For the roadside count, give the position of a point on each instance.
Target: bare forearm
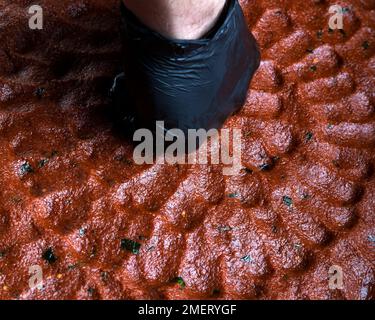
(178, 19)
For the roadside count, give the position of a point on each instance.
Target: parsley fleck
(247, 259)
(91, 291)
(365, 45)
(232, 195)
(82, 232)
(309, 136)
(26, 168)
(371, 238)
(345, 10)
(313, 68)
(49, 256)
(130, 245)
(39, 92)
(265, 167)
(42, 163)
(180, 282)
(288, 201)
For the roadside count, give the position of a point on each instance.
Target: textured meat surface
(73, 202)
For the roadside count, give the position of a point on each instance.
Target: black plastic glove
(188, 84)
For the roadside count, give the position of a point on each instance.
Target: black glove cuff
(189, 84)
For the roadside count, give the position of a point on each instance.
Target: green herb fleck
(309, 136)
(180, 282)
(42, 163)
(371, 238)
(330, 126)
(26, 168)
(91, 291)
(365, 45)
(342, 31)
(288, 201)
(297, 246)
(39, 92)
(310, 50)
(265, 167)
(49, 256)
(246, 259)
(313, 68)
(130, 245)
(345, 10)
(82, 232)
(319, 34)
(232, 195)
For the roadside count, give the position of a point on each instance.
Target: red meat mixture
(100, 227)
